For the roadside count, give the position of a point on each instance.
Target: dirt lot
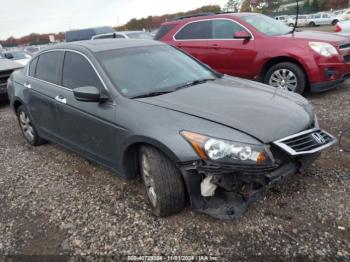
(55, 202)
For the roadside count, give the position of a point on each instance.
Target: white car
(322, 18)
(345, 15)
(282, 18)
(18, 56)
(125, 34)
(302, 20)
(343, 28)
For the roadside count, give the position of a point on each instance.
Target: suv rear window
(195, 30)
(163, 31)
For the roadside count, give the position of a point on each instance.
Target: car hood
(319, 36)
(6, 64)
(258, 110)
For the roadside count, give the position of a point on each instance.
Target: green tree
(246, 6)
(232, 6)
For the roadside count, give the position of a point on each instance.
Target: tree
(246, 6)
(232, 6)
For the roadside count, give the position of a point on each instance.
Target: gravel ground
(55, 202)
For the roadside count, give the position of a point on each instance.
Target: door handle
(61, 99)
(27, 85)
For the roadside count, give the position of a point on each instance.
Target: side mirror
(242, 35)
(87, 94)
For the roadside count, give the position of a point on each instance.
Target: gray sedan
(144, 108)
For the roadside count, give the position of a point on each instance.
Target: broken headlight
(209, 148)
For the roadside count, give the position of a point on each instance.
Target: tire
(297, 73)
(27, 127)
(291, 25)
(167, 182)
(334, 22)
(312, 24)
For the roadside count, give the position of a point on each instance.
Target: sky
(22, 17)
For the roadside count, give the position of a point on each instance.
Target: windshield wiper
(150, 94)
(193, 83)
(187, 84)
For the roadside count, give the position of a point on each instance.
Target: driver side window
(77, 72)
(225, 29)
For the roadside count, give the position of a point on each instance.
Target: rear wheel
(286, 76)
(334, 22)
(291, 25)
(28, 129)
(163, 182)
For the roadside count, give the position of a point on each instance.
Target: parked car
(282, 18)
(18, 56)
(345, 15)
(339, 13)
(124, 34)
(302, 20)
(216, 140)
(87, 34)
(343, 28)
(322, 18)
(6, 69)
(258, 47)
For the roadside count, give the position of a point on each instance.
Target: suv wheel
(286, 76)
(28, 129)
(163, 182)
(312, 24)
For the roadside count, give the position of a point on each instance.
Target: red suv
(258, 47)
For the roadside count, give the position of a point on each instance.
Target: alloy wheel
(26, 126)
(148, 179)
(284, 79)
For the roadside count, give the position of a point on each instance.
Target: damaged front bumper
(236, 187)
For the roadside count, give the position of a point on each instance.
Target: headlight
(324, 49)
(209, 148)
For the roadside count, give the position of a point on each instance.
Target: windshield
(142, 70)
(139, 35)
(267, 25)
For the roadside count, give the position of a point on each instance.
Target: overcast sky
(22, 17)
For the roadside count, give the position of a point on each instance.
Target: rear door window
(78, 72)
(47, 66)
(195, 30)
(163, 31)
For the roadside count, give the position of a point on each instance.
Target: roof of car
(105, 44)
(209, 16)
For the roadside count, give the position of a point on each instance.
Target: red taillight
(337, 28)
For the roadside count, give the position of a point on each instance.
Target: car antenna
(296, 18)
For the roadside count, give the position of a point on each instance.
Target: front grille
(345, 46)
(4, 76)
(347, 58)
(306, 142)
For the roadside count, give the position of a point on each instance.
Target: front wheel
(334, 22)
(163, 182)
(312, 24)
(291, 25)
(286, 76)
